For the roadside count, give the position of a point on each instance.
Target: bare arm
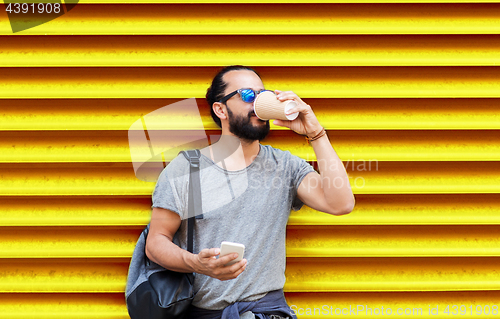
(161, 250)
(329, 191)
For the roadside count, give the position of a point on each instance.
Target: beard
(242, 127)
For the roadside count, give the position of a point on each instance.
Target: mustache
(251, 113)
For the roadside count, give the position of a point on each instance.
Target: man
(247, 195)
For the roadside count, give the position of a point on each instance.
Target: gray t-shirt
(249, 206)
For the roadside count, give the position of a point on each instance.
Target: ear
(220, 110)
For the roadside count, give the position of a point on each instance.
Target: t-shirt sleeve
(171, 188)
(163, 194)
(300, 169)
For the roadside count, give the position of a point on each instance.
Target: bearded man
(248, 190)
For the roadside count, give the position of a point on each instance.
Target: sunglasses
(247, 95)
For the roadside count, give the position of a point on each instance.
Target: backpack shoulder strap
(194, 199)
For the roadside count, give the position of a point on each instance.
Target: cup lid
(289, 106)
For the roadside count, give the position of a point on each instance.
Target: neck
(232, 153)
(250, 149)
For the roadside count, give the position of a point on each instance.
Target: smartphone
(227, 247)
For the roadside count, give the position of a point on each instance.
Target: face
(241, 118)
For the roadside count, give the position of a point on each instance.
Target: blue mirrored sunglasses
(247, 95)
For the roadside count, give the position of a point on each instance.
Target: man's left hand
(306, 123)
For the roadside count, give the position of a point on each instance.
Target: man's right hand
(207, 264)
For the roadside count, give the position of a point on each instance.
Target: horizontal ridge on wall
(311, 82)
(379, 209)
(334, 114)
(407, 304)
(366, 304)
(58, 305)
(410, 209)
(268, 51)
(380, 178)
(186, 19)
(393, 241)
(394, 145)
(45, 275)
(392, 274)
(302, 241)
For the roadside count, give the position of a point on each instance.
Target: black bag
(154, 292)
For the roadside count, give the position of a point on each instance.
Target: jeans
(250, 315)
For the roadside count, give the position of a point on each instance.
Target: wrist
(191, 260)
(318, 135)
(319, 138)
(314, 132)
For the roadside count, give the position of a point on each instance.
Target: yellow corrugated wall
(409, 93)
